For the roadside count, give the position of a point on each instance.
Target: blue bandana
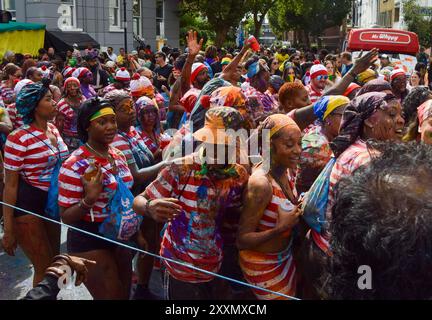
(253, 69)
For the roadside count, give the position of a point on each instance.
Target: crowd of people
(102, 142)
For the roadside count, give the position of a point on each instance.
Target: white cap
(21, 84)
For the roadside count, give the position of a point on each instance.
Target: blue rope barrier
(152, 254)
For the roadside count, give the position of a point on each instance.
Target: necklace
(109, 157)
(98, 153)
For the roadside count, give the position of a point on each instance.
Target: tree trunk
(221, 34)
(306, 39)
(257, 26)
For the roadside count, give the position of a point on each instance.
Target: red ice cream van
(402, 46)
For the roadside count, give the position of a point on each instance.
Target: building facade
(156, 22)
(383, 13)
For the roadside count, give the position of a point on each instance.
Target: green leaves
(422, 25)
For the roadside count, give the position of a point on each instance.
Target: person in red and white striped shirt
(87, 182)
(270, 213)
(319, 77)
(68, 106)
(188, 196)
(31, 154)
(144, 169)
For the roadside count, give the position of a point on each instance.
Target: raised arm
(194, 48)
(360, 65)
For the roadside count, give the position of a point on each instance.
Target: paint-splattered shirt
(316, 153)
(194, 236)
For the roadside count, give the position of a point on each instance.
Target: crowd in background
(85, 139)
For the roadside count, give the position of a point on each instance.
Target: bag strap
(139, 146)
(58, 149)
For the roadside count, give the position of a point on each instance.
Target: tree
(418, 23)
(259, 9)
(221, 15)
(193, 21)
(308, 17)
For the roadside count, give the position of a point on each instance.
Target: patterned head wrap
(232, 97)
(115, 97)
(376, 85)
(29, 98)
(357, 112)
(424, 112)
(326, 105)
(276, 122)
(144, 104)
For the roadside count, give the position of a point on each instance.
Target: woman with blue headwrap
(33, 154)
(257, 84)
(316, 151)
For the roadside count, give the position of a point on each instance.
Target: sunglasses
(319, 78)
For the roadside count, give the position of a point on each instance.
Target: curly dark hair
(383, 219)
(413, 100)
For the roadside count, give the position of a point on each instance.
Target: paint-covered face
(388, 123)
(399, 84)
(426, 131)
(125, 113)
(72, 89)
(333, 121)
(261, 81)
(148, 117)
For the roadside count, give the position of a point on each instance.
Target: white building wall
(367, 13)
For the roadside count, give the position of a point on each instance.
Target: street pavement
(16, 277)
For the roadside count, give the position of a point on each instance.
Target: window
(136, 19)
(67, 10)
(9, 5)
(160, 27)
(396, 14)
(114, 13)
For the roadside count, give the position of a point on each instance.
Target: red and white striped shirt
(271, 214)
(14, 116)
(351, 159)
(314, 95)
(7, 94)
(71, 189)
(149, 142)
(70, 117)
(30, 152)
(131, 143)
(194, 236)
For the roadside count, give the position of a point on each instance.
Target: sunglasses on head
(319, 78)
